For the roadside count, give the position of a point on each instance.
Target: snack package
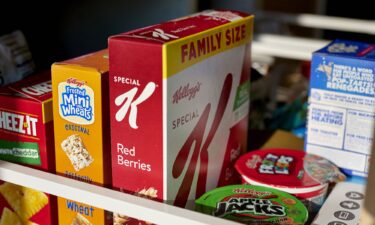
(179, 102)
(305, 176)
(81, 115)
(22, 205)
(15, 58)
(251, 204)
(341, 105)
(26, 137)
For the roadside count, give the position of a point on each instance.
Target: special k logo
(126, 101)
(160, 33)
(197, 145)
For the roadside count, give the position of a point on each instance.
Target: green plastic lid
(253, 205)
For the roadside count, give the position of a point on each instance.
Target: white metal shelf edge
(286, 47)
(323, 22)
(291, 41)
(110, 200)
(280, 51)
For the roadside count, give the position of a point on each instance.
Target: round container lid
(289, 190)
(285, 168)
(252, 205)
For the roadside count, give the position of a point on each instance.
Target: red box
(179, 101)
(26, 137)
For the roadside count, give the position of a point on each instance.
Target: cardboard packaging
(179, 101)
(341, 105)
(283, 139)
(367, 216)
(80, 95)
(26, 137)
(343, 206)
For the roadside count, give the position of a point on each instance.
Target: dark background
(67, 29)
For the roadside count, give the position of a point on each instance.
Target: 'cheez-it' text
(19, 123)
(38, 89)
(212, 43)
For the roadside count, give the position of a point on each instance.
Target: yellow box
(80, 95)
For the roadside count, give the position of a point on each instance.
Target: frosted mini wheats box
(80, 95)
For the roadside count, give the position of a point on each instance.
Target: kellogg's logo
(76, 102)
(186, 92)
(342, 48)
(76, 82)
(251, 192)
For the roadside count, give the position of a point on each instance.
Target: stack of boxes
(172, 86)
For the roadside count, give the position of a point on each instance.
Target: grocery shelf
(299, 48)
(286, 47)
(114, 201)
(157, 212)
(291, 41)
(323, 22)
(282, 51)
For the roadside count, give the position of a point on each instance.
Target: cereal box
(342, 105)
(26, 137)
(80, 92)
(179, 100)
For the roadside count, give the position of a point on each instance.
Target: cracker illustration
(26, 202)
(150, 192)
(80, 220)
(119, 219)
(8, 217)
(30, 223)
(76, 151)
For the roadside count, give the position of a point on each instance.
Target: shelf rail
(286, 46)
(160, 213)
(100, 197)
(301, 48)
(323, 22)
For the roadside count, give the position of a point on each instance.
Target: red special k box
(26, 137)
(179, 101)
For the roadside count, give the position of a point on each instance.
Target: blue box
(342, 105)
